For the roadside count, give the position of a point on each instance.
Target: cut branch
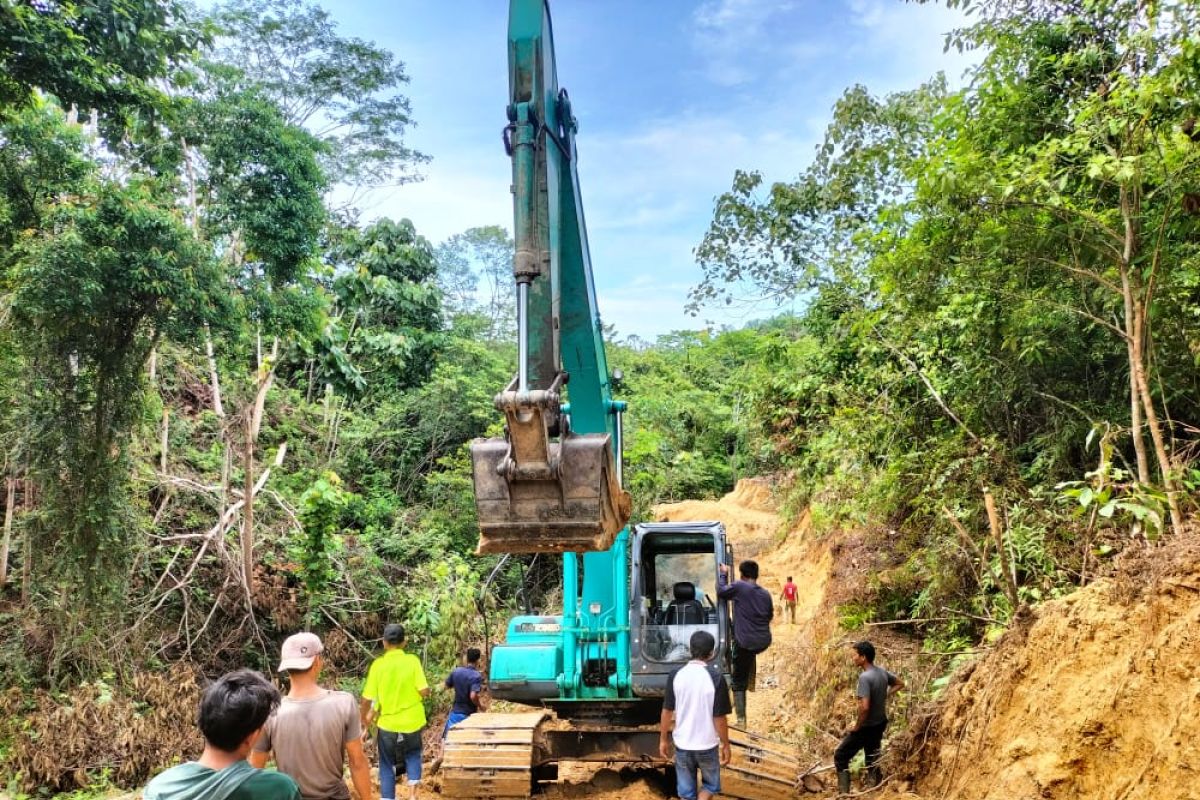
(937, 397)
(1010, 579)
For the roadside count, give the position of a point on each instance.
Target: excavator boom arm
(553, 484)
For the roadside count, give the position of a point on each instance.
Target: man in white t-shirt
(697, 702)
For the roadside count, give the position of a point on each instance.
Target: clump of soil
(1090, 696)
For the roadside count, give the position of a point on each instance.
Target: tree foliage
(104, 55)
(110, 273)
(992, 275)
(346, 90)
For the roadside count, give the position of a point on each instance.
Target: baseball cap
(299, 650)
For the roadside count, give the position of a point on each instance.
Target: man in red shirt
(789, 599)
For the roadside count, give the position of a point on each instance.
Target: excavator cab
(673, 594)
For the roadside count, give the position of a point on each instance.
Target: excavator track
(492, 755)
(760, 768)
(500, 755)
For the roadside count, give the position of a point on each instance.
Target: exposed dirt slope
(755, 529)
(1092, 696)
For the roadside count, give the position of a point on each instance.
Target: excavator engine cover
(574, 505)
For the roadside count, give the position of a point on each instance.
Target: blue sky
(672, 96)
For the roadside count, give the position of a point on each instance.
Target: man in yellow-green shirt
(393, 699)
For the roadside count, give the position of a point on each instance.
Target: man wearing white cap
(316, 730)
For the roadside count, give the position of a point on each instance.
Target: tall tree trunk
(248, 512)
(10, 500)
(214, 378)
(164, 440)
(1135, 420)
(1133, 353)
(1135, 315)
(253, 417)
(1161, 452)
(27, 555)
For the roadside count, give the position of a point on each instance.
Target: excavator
(594, 675)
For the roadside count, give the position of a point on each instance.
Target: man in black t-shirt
(875, 686)
(467, 683)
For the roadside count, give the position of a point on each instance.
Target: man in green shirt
(232, 714)
(393, 699)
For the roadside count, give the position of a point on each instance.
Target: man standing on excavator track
(753, 610)
(696, 704)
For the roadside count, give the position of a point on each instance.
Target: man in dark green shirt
(233, 712)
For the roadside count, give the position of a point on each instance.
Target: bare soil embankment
(1090, 696)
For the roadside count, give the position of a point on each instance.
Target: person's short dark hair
(235, 706)
(702, 645)
(789, 580)
(748, 569)
(473, 655)
(866, 650)
(393, 633)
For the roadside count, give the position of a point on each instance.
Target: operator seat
(685, 609)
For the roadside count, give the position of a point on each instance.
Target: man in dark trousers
(875, 686)
(753, 609)
(394, 696)
(467, 683)
(695, 715)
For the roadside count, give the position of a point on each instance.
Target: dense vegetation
(231, 407)
(1002, 285)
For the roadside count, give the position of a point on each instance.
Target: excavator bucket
(573, 504)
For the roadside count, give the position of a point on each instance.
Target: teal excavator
(595, 674)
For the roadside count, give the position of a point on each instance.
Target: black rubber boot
(739, 708)
(843, 781)
(874, 776)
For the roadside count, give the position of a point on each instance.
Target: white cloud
(743, 19)
(646, 310)
(457, 194)
(725, 30)
(906, 41)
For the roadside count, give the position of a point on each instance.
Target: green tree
(112, 271)
(103, 55)
(345, 90)
(481, 254)
(383, 335)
